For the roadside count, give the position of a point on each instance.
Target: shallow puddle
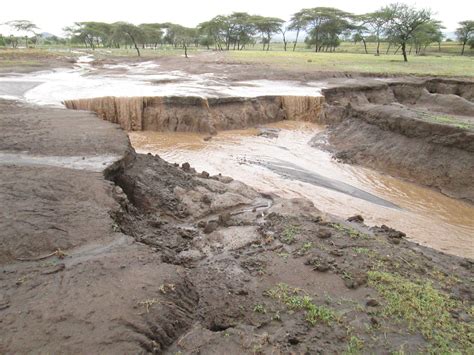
(289, 167)
(52, 87)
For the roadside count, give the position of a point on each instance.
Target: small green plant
(288, 235)
(283, 255)
(355, 345)
(362, 250)
(351, 232)
(115, 227)
(294, 301)
(259, 308)
(305, 248)
(276, 316)
(165, 288)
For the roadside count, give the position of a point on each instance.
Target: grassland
(349, 57)
(364, 63)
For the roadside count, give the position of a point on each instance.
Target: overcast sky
(53, 15)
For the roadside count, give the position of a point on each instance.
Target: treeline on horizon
(323, 29)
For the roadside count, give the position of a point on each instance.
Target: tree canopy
(465, 33)
(324, 28)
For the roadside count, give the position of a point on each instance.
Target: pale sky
(53, 15)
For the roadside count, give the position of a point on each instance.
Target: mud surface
(164, 259)
(143, 256)
(381, 127)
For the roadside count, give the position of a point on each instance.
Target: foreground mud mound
(275, 275)
(192, 263)
(422, 131)
(195, 114)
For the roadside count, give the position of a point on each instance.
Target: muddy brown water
(289, 167)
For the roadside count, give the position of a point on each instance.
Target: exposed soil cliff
(422, 131)
(195, 114)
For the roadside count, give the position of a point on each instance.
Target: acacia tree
(297, 23)
(359, 36)
(426, 34)
(465, 33)
(376, 23)
(267, 26)
(185, 36)
(92, 34)
(242, 29)
(324, 25)
(23, 26)
(210, 32)
(128, 33)
(152, 33)
(403, 23)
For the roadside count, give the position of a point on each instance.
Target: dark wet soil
(150, 257)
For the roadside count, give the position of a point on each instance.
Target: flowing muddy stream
(289, 167)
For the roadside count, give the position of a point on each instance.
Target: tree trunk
(388, 49)
(284, 39)
(404, 52)
(296, 39)
(463, 45)
(185, 50)
(135, 44)
(137, 49)
(378, 44)
(365, 46)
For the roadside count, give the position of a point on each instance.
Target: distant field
(446, 48)
(448, 65)
(349, 57)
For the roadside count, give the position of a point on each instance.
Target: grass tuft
(294, 301)
(426, 310)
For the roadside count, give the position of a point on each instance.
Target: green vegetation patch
(293, 299)
(289, 233)
(426, 310)
(445, 119)
(351, 232)
(361, 63)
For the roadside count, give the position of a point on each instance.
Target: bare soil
(149, 257)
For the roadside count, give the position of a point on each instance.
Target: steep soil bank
(292, 279)
(195, 114)
(163, 259)
(420, 131)
(384, 122)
